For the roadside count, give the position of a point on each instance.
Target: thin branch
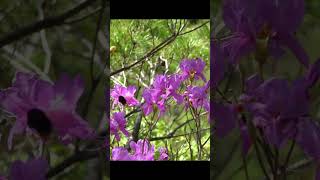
(296, 166)
(196, 28)
(158, 48)
(75, 158)
(150, 53)
(27, 62)
(169, 137)
(46, 23)
(44, 42)
(95, 39)
(84, 17)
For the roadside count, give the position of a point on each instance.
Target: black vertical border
(107, 90)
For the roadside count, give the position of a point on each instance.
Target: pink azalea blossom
(197, 96)
(163, 153)
(192, 68)
(118, 123)
(161, 90)
(123, 96)
(142, 150)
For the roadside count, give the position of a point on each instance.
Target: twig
(150, 53)
(39, 25)
(298, 165)
(198, 27)
(84, 17)
(27, 62)
(169, 137)
(95, 39)
(77, 157)
(157, 48)
(44, 42)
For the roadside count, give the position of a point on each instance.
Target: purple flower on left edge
(123, 96)
(261, 25)
(118, 123)
(35, 169)
(43, 108)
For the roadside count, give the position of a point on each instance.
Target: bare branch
(75, 158)
(44, 42)
(46, 23)
(158, 47)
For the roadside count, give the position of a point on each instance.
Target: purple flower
(163, 88)
(118, 123)
(163, 154)
(142, 150)
(120, 154)
(263, 26)
(124, 96)
(150, 100)
(281, 109)
(35, 169)
(43, 108)
(193, 69)
(197, 96)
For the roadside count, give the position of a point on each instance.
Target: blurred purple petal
(225, 117)
(35, 169)
(292, 43)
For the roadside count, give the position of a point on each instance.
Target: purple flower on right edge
(278, 108)
(263, 27)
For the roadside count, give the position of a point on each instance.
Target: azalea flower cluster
(43, 110)
(273, 110)
(157, 97)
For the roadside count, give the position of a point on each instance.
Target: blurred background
(50, 37)
(227, 159)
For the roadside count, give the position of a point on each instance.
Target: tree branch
(42, 24)
(171, 136)
(77, 157)
(158, 47)
(150, 53)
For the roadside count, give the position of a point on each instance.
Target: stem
(260, 160)
(245, 167)
(288, 159)
(276, 164)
